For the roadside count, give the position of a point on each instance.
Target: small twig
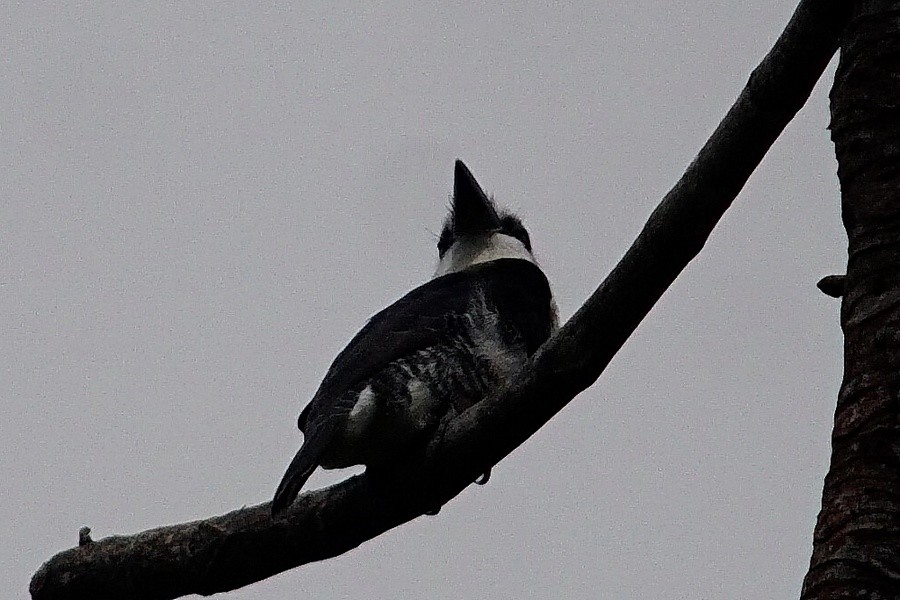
(84, 536)
(832, 285)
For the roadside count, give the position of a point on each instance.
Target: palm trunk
(856, 547)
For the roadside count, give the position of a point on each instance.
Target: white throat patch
(472, 250)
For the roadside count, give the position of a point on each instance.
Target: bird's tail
(303, 465)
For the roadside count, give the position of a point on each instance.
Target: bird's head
(475, 231)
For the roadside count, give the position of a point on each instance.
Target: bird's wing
(425, 317)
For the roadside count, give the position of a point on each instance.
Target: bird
(436, 351)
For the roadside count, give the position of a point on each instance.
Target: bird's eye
(445, 241)
(512, 226)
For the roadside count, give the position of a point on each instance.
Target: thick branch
(244, 546)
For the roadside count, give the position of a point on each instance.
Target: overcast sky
(201, 203)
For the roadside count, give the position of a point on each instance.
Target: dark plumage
(440, 348)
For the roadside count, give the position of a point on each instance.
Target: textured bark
(233, 550)
(856, 546)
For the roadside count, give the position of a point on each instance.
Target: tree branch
(233, 550)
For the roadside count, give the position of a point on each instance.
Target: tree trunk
(856, 546)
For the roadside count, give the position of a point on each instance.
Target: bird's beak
(473, 211)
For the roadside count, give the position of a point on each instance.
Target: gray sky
(201, 203)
